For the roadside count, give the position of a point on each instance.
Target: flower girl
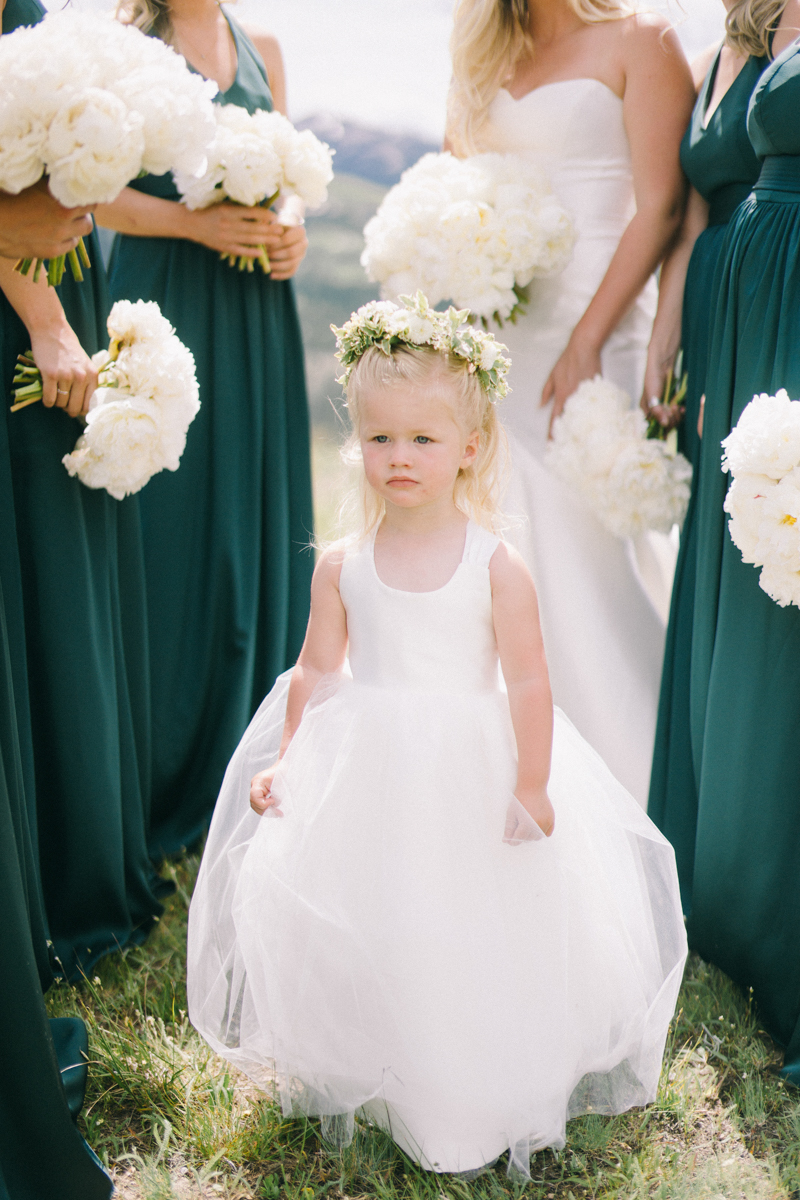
(442, 928)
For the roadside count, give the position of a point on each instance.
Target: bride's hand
(580, 360)
(261, 797)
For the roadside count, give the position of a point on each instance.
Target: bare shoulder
(507, 570)
(701, 65)
(267, 46)
(647, 38)
(328, 568)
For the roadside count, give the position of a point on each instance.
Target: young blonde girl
(461, 925)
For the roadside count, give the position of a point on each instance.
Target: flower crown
(414, 323)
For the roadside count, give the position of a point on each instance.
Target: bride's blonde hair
(151, 16)
(488, 39)
(749, 24)
(478, 486)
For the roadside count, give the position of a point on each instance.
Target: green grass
(172, 1120)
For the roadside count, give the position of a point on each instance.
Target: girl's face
(413, 444)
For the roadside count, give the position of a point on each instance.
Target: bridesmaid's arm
(666, 337)
(68, 377)
(658, 100)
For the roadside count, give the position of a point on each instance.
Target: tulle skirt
(385, 945)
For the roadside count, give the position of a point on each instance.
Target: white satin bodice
(430, 641)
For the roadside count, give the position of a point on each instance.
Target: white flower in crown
(415, 323)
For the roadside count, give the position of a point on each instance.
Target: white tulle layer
(380, 947)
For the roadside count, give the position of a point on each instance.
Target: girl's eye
(381, 438)
(423, 441)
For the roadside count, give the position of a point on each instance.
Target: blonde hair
(478, 485)
(749, 24)
(151, 16)
(489, 37)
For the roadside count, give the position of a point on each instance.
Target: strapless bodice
(574, 129)
(430, 641)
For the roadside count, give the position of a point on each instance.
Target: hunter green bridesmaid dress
(79, 621)
(745, 682)
(227, 536)
(721, 164)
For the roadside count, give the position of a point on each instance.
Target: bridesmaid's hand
(231, 228)
(261, 797)
(580, 360)
(34, 225)
(286, 250)
(68, 377)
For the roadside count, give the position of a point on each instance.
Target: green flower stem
(27, 387)
(57, 266)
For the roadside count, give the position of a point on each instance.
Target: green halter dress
(745, 680)
(722, 165)
(227, 535)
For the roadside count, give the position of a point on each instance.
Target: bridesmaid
(74, 597)
(722, 167)
(227, 536)
(745, 681)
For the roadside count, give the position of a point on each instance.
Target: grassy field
(171, 1120)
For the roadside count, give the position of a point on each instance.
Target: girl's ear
(471, 449)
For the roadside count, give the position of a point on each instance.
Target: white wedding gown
(382, 947)
(603, 601)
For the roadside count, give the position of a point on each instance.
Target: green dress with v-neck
(227, 535)
(721, 164)
(745, 681)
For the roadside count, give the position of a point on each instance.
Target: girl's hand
(580, 360)
(231, 228)
(536, 803)
(261, 797)
(68, 378)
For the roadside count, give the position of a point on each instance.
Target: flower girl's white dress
(381, 947)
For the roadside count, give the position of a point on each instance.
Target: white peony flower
(470, 230)
(138, 419)
(22, 140)
(762, 452)
(600, 450)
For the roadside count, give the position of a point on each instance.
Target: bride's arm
(658, 101)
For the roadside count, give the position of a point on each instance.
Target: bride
(601, 97)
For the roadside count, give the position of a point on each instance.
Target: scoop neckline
(428, 591)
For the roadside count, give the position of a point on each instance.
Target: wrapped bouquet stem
(671, 407)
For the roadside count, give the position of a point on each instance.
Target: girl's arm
(68, 377)
(323, 653)
(519, 641)
(657, 104)
(666, 337)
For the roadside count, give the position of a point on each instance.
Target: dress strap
(480, 545)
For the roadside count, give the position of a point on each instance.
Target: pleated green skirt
(227, 536)
(745, 674)
(85, 652)
(672, 802)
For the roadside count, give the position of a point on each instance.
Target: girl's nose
(401, 454)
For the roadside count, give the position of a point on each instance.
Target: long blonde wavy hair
(478, 486)
(489, 37)
(749, 24)
(151, 16)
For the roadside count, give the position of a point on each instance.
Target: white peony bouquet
(255, 158)
(600, 449)
(92, 104)
(475, 231)
(762, 453)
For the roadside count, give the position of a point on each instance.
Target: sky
(385, 63)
